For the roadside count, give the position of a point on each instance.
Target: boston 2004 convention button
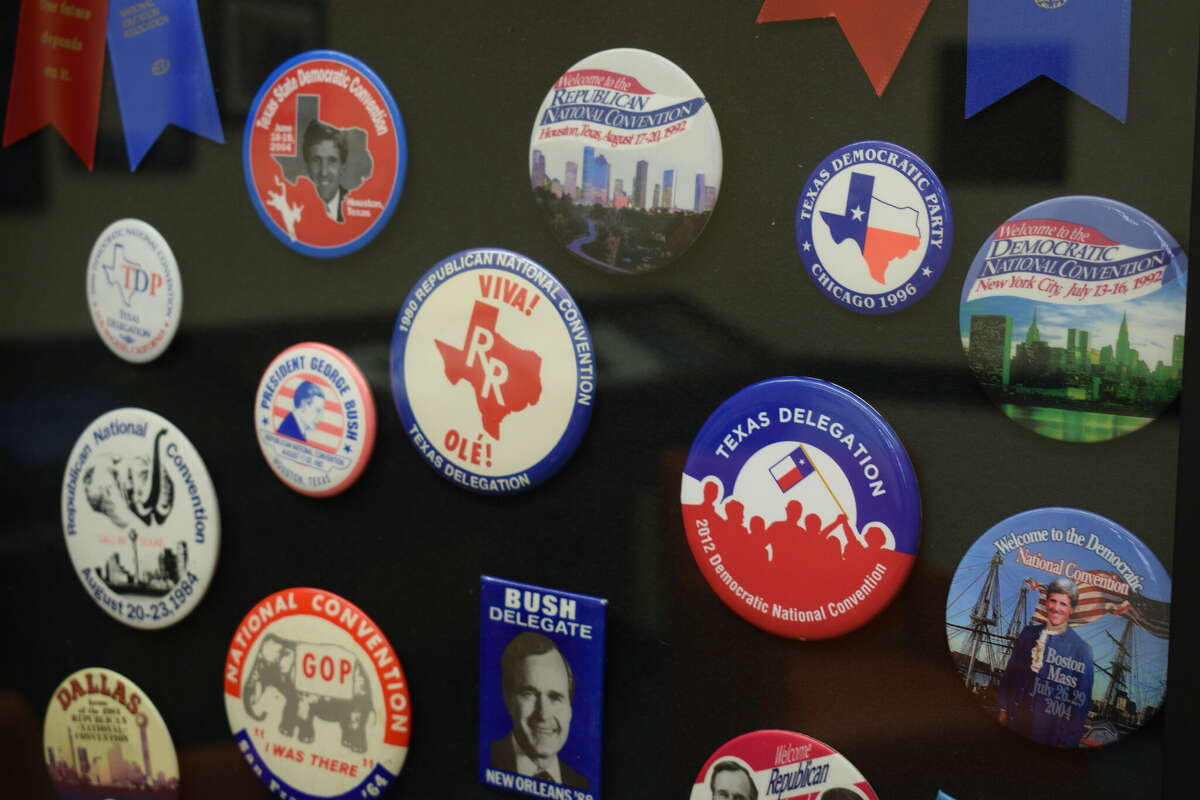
(779, 764)
(801, 507)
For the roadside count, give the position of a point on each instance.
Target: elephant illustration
(131, 489)
(317, 681)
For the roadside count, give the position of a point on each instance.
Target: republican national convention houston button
(315, 418)
(779, 764)
(874, 228)
(316, 698)
(492, 371)
(801, 507)
(324, 153)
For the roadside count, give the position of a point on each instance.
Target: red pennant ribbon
(57, 72)
(878, 30)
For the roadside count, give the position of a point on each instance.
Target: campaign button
(316, 697)
(625, 160)
(134, 292)
(801, 507)
(140, 518)
(315, 418)
(1058, 622)
(492, 369)
(874, 227)
(324, 153)
(1072, 318)
(779, 764)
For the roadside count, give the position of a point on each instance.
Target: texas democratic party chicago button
(874, 228)
(801, 507)
(625, 160)
(1072, 318)
(134, 292)
(492, 370)
(324, 153)
(140, 517)
(315, 418)
(1058, 622)
(104, 739)
(316, 697)
(774, 764)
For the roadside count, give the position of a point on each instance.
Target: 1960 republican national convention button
(801, 507)
(779, 764)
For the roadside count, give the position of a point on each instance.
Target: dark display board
(684, 674)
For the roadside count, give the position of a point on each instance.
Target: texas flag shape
(883, 232)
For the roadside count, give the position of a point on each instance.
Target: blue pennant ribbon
(161, 71)
(1082, 44)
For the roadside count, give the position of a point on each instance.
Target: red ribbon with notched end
(57, 72)
(878, 30)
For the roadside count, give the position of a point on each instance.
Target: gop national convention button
(774, 764)
(316, 697)
(1058, 623)
(104, 739)
(1072, 318)
(134, 291)
(324, 153)
(625, 160)
(874, 228)
(492, 370)
(801, 507)
(140, 518)
(315, 418)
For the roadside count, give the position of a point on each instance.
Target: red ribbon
(57, 72)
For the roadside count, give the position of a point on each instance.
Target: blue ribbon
(1082, 44)
(161, 71)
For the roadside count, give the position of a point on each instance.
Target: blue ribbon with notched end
(161, 72)
(1081, 44)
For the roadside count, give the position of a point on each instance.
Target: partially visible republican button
(779, 764)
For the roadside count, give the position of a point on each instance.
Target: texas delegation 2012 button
(777, 764)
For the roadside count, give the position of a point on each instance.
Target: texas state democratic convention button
(625, 160)
(774, 764)
(324, 153)
(105, 739)
(874, 227)
(801, 507)
(1072, 318)
(1058, 622)
(140, 518)
(134, 292)
(316, 697)
(492, 370)
(315, 418)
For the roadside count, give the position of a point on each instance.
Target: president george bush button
(776, 764)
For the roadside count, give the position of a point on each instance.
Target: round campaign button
(315, 418)
(140, 517)
(1072, 318)
(779, 764)
(801, 507)
(316, 697)
(1058, 622)
(134, 291)
(492, 370)
(874, 228)
(625, 160)
(324, 153)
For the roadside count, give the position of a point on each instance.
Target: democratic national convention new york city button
(140, 518)
(777, 764)
(492, 370)
(316, 698)
(1072, 318)
(625, 160)
(1058, 622)
(315, 418)
(801, 507)
(874, 227)
(134, 292)
(324, 153)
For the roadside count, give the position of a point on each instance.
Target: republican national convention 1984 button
(801, 507)
(492, 370)
(779, 764)
(874, 228)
